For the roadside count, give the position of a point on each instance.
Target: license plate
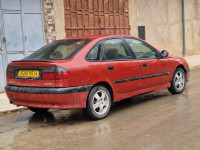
(28, 73)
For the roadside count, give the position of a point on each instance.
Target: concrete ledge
(5, 104)
(193, 60)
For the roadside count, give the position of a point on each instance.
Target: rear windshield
(58, 50)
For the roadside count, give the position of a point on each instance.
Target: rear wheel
(98, 103)
(178, 82)
(38, 110)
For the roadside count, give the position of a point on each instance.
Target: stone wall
(49, 20)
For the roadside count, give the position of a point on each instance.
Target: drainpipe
(183, 22)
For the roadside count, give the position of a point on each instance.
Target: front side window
(114, 49)
(58, 50)
(141, 50)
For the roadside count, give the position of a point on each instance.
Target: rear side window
(93, 54)
(114, 49)
(58, 50)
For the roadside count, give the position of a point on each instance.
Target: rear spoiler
(32, 60)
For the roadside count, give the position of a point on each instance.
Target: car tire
(38, 110)
(98, 103)
(178, 82)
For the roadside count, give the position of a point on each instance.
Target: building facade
(26, 25)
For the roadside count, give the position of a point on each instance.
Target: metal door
(2, 82)
(88, 17)
(21, 28)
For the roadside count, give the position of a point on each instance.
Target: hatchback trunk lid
(29, 73)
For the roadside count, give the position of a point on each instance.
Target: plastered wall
(163, 22)
(192, 27)
(59, 19)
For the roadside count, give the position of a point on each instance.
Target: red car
(91, 72)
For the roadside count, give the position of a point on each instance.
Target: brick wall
(49, 20)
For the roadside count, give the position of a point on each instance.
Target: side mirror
(164, 53)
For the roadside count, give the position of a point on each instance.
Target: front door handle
(110, 67)
(145, 65)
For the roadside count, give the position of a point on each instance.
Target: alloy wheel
(179, 80)
(100, 102)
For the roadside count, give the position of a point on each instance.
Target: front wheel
(178, 82)
(38, 110)
(98, 103)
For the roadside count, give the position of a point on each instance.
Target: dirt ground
(153, 121)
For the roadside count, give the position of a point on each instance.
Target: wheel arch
(181, 66)
(108, 86)
(173, 89)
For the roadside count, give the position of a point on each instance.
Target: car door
(122, 71)
(155, 70)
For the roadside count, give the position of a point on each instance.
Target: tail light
(48, 73)
(61, 73)
(55, 73)
(10, 72)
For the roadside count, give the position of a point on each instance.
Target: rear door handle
(144, 64)
(110, 67)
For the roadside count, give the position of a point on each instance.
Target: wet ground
(154, 121)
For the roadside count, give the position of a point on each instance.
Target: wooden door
(89, 17)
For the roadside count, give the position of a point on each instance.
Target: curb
(7, 112)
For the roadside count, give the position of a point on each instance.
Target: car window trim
(147, 45)
(98, 54)
(129, 48)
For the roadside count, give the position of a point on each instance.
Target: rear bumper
(41, 90)
(57, 98)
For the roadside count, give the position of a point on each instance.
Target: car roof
(96, 36)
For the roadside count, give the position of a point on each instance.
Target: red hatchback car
(91, 72)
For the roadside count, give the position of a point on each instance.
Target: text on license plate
(28, 73)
